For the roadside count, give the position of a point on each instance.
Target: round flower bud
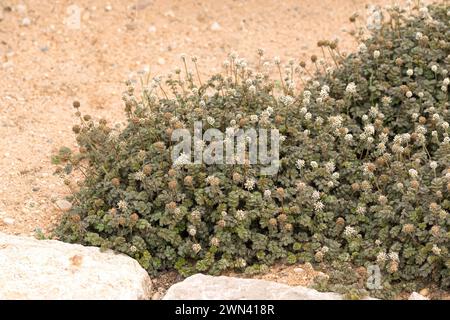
(76, 104)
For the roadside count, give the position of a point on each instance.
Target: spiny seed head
(76, 104)
(188, 181)
(115, 182)
(280, 192)
(75, 218)
(422, 120)
(147, 169)
(435, 230)
(237, 177)
(173, 185)
(434, 207)
(408, 228)
(171, 205)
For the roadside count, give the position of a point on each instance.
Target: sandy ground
(47, 60)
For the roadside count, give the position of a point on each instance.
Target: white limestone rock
(50, 269)
(417, 296)
(202, 287)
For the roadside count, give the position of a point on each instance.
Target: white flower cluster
(250, 184)
(241, 215)
(351, 88)
(350, 231)
(183, 159)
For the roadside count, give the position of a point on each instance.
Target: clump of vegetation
(364, 177)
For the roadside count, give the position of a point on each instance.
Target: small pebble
(63, 205)
(417, 296)
(152, 29)
(170, 14)
(161, 61)
(424, 292)
(215, 26)
(108, 8)
(131, 26)
(8, 221)
(26, 21)
(298, 270)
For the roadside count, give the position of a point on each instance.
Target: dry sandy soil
(47, 60)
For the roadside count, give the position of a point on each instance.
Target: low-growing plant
(364, 176)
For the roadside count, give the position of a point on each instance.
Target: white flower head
(318, 206)
(315, 195)
(122, 205)
(192, 231)
(330, 167)
(240, 215)
(139, 176)
(382, 257)
(196, 247)
(361, 210)
(250, 184)
(349, 231)
(210, 120)
(436, 250)
(393, 256)
(351, 88)
(433, 165)
(413, 173)
(300, 164)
